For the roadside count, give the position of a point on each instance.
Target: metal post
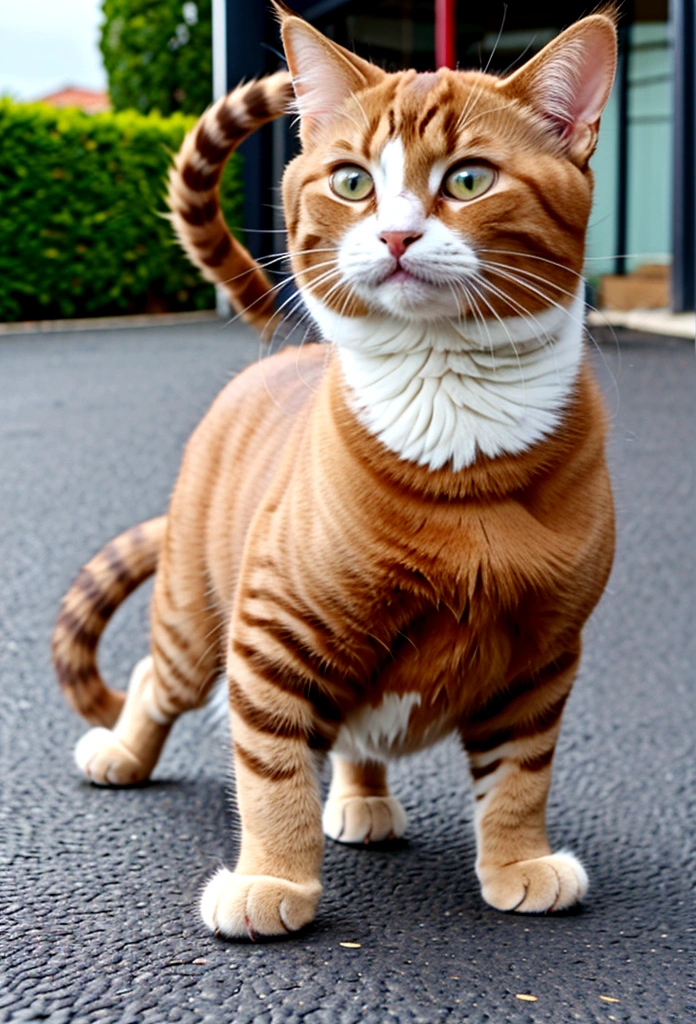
(219, 48)
(445, 34)
(683, 26)
(222, 302)
(621, 241)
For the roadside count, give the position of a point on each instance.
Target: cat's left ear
(569, 83)
(324, 74)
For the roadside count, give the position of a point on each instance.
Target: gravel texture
(99, 888)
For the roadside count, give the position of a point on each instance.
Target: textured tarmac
(98, 889)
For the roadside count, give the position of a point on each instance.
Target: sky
(46, 44)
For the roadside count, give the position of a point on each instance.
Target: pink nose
(398, 241)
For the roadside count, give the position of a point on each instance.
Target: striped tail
(102, 585)
(194, 194)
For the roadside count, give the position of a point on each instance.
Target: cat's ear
(569, 83)
(324, 74)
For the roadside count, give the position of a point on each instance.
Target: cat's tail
(194, 192)
(103, 584)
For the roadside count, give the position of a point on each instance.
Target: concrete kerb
(651, 322)
(108, 323)
(647, 321)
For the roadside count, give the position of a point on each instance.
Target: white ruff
(373, 733)
(435, 391)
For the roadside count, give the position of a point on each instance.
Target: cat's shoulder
(282, 380)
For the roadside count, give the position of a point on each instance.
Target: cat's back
(234, 454)
(262, 403)
(252, 419)
(273, 389)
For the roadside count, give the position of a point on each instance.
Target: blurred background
(97, 94)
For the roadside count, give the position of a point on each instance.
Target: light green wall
(649, 159)
(601, 237)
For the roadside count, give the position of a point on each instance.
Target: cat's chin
(404, 295)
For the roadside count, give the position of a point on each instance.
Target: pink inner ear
(594, 81)
(321, 79)
(573, 81)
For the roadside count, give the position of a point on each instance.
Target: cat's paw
(535, 886)
(106, 761)
(363, 819)
(238, 906)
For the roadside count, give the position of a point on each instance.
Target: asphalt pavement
(99, 889)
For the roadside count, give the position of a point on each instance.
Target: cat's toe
(537, 886)
(106, 761)
(241, 906)
(364, 819)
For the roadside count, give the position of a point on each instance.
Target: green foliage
(158, 54)
(81, 225)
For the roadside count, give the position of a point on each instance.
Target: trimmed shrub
(81, 225)
(158, 54)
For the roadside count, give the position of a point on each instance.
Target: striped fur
(366, 599)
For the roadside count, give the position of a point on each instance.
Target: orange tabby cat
(402, 533)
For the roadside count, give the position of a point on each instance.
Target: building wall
(649, 159)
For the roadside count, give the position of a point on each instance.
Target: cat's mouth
(400, 275)
(399, 288)
(403, 291)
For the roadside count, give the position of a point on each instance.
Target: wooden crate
(645, 288)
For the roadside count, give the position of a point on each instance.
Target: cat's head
(453, 194)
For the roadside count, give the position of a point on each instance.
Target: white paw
(106, 761)
(255, 905)
(363, 819)
(535, 886)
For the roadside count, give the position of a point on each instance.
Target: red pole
(445, 33)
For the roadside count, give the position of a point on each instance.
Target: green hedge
(81, 226)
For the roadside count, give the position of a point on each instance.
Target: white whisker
(506, 330)
(524, 284)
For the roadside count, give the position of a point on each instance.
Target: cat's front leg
(510, 756)
(278, 736)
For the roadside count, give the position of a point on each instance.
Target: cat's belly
(393, 727)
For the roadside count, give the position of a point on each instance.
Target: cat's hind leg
(126, 754)
(175, 677)
(510, 757)
(359, 807)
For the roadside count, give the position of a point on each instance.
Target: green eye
(468, 181)
(351, 182)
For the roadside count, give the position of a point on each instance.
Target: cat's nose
(398, 241)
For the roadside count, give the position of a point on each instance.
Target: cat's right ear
(324, 74)
(568, 83)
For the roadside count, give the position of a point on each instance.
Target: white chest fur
(435, 391)
(373, 733)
